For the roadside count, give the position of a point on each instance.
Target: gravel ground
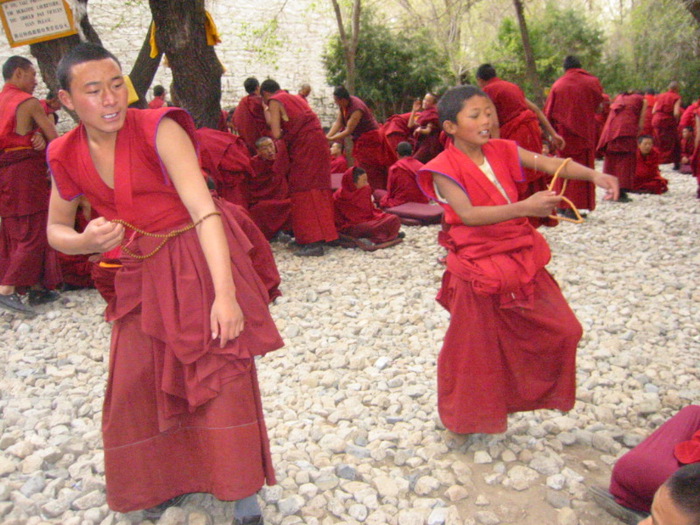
(350, 401)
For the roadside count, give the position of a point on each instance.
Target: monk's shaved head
(12, 64)
(674, 86)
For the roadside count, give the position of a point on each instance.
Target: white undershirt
(490, 175)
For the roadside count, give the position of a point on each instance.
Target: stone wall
(289, 52)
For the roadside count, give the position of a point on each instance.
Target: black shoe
(14, 303)
(252, 520)
(624, 197)
(310, 250)
(282, 237)
(154, 513)
(401, 235)
(36, 297)
(606, 502)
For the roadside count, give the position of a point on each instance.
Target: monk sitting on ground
(339, 164)
(356, 215)
(401, 185)
(647, 177)
(687, 146)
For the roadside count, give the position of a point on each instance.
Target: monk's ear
(449, 127)
(66, 99)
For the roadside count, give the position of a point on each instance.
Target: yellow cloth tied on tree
(212, 32)
(133, 95)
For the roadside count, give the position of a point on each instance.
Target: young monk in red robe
(519, 120)
(511, 343)
(371, 150)
(571, 106)
(224, 157)
(292, 120)
(618, 140)
(182, 409)
(249, 116)
(339, 164)
(687, 147)
(355, 213)
(268, 191)
(665, 115)
(650, 97)
(402, 186)
(647, 177)
(26, 261)
(396, 130)
(426, 128)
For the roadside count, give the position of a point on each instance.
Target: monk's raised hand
(609, 183)
(558, 142)
(226, 319)
(542, 203)
(102, 235)
(38, 142)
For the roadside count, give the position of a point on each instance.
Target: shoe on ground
(14, 302)
(606, 502)
(36, 297)
(251, 520)
(281, 237)
(401, 235)
(624, 197)
(310, 250)
(154, 513)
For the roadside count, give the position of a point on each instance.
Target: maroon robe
(666, 127)
(570, 108)
(687, 117)
(511, 342)
(270, 205)
(339, 164)
(638, 474)
(618, 140)
(25, 256)
(647, 177)
(648, 128)
(249, 121)
(428, 146)
(520, 124)
(371, 151)
(181, 414)
(77, 269)
(402, 186)
(396, 130)
(601, 117)
(309, 171)
(357, 216)
(224, 157)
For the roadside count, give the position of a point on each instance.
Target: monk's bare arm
(99, 235)
(642, 115)
(557, 140)
(677, 109)
(573, 170)
(412, 117)
(275, 122)
(352, 123)
(31, 113)
(540, 204)
(335, 128)
(180, 160)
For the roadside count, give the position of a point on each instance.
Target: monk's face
(335, 149)
(685, 133)
(428, 101)
(664, 511)
(474, 120)
(362, 181)
(98, 94)
(25, 79)
(267, 150)
(645, 146)
(341, 102)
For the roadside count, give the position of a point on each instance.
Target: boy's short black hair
(341, 92)
(263, 140)
(684, 489)
(571, 62)
(451, 103)
(250, 84)
(269, 86)
(84, 52)
(642, 137)
(158, 91)
(12, 64)
(404, 149)
(357, 172)
(485, 72)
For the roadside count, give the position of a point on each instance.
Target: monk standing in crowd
(249, 116)
(664, 119)
(426, 128)
(26, 260)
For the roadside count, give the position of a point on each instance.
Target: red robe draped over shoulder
(181, 414)
(339, 164)
(511, 342)
(665, 127)
(357, 216)
(396, 130)
(270, 205)
(618, 140)
(249, 121)
(224, 157)
(309, 171)
(570, 108)
(401, 185)
(647, 177)
(428, 146)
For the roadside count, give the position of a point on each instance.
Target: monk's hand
(609, 183)
(101, 235)
(38, 142)
(558, 142)
(541, 204)
(226, 319)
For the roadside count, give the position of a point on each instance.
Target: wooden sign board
(31, 21)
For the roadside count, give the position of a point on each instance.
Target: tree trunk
(145, 68)
(349, 42)
(693, 6)
(531, 67)
(181, 36)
